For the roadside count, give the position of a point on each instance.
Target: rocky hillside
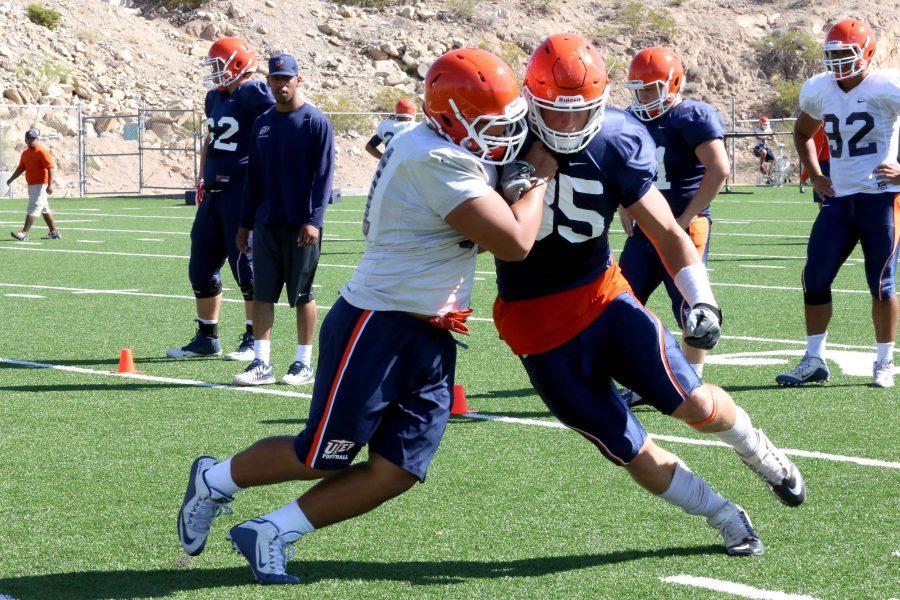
(114, 58)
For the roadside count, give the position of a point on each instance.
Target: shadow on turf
(520, 393)
(82, 362)
(98, 585)
(284, 421)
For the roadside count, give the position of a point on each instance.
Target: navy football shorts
(871, 220)
(384, 379)
(628, 344)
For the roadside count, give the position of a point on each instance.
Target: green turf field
(94, 466)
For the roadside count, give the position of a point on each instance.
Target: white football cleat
(266, 549)
(736, 530)
(244, 352)
(299, 374)
(200, 507)
(256, 373)
(883, 373)
(777, 471)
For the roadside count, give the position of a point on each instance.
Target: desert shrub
(329, 102)
(790, 55)
(41, 15)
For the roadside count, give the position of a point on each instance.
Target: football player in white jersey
(387, 360)
(761, 149)
(860, 108)
(403, 121)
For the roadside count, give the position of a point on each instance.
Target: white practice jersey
(389, 129)
(414, 261)
(862, 126)
(762, 133)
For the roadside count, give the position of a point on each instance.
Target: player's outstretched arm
(703, 326)
(506, 231)
(804, 130)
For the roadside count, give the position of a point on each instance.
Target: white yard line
(474, 415)
(762, 267)
(155, 378)
(866, 462)
(32, 296)
(730, 587)
(132, 292)
(150, 240)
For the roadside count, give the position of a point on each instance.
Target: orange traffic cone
(459, 406)
(126, 361)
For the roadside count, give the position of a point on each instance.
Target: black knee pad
(210, 289)
(817, 298)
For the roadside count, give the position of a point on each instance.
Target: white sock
(290, 517)
(885, 351)
(262, 349)
(219, 478)
(208, 321)
(742, 437)
(698, 369)
(815, 345)
(304, 354)
(692, 494)
(249, 322)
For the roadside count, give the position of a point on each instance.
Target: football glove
(517, 178)
(199, 189)
(703, 326)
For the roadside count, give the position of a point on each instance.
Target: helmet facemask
(493, 149)
(850, 62)
(566, 142)
(219, 75)
(663, 100)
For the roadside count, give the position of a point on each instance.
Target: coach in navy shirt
(289, 175)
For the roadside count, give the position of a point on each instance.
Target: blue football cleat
(810, 370)
(201, 505)
(201, 345)
(266, 549)
(244, 352)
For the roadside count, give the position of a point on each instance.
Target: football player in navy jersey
(233, 103)
(572, 318)
(692, 166)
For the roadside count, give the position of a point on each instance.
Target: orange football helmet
(566, 73)
(849, 48)
(656, 72)
(229, 58)
(405, 109)
(469, 95)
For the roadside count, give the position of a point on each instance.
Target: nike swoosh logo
(181, 526)
(858, 101)
(795, 489)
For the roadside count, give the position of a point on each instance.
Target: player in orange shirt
(37, 164)
(823, 153)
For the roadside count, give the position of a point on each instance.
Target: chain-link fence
(59, 129)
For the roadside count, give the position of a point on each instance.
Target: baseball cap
(283, 64)
(33, 134)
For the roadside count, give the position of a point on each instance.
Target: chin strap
(454, 321)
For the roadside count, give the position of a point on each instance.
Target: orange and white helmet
(405, 109)
(566, 73)
(849, 48)
(469, 94)
(229, 58)
(763, 122)
(655, 73)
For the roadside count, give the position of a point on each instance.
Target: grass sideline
(96, 466)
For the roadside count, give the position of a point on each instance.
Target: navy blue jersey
(290, 168)
(572, 247)
(229, 118)
(677, 135)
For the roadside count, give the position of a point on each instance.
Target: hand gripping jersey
(862, 127)
(414, 261)
(677, 135)
(390, 128)
(569, 276)
(230, 118)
